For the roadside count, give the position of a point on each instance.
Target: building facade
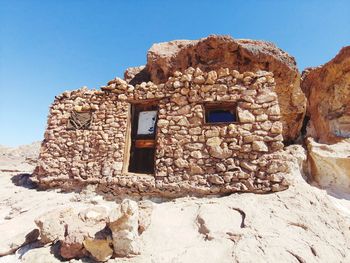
(199, 133)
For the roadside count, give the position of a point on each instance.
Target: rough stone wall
(79, 155)
(192, 157)
(219, 154)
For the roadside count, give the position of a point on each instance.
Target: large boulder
(330, 164)
(136, 75)
(98, 231)
(215, 52)
(52, 224)
(124, 225)
(72, 226)
(327, 89)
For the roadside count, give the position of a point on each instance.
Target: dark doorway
(143, 133)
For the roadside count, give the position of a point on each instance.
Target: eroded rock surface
(215, 52)
(124, 229)
(330, 164)
(327, 89)
(136, 75)
(71, 228)
(302, 224)
(97, 231)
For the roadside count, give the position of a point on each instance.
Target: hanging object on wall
(146, 123)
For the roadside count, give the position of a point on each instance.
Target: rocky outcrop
(72, 228)
(124, 229)
(215, 52)
(329, 165)
(327, 89)
(95, 231)
(136, 75)
(50, 225)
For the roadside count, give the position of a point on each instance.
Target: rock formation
(72, 228)
(214, 52)
(95, 231)
(125, 229)
(330, 164)
(327, 89)
(136, 75)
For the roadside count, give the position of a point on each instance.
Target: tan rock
(220, 167)
(212, 76)
(196, 154)
(328, 93)
(249, 166)
(194, 146)
(50, 224)
(145, 215)
(72, 245)
(195, 169)
(199, 80)
(195, 131)
(259, 146)
(181, 163)
(330, 164)
(276, 127)
(214, 141)
(125, 230)
(245, 116)
(100, 250)
(267, 97)
(71, 226)
(215, 179)
(219, 152)
(162, 123)
(136, 75)
(211, 133)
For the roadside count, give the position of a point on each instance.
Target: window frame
(226, 106)
(72, 128)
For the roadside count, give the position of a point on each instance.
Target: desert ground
(301, 224)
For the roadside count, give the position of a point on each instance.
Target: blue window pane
(221, 116)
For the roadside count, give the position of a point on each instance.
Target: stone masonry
(192, 157)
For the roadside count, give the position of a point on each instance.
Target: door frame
(128, 139)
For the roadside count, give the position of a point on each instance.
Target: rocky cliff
(327, 89)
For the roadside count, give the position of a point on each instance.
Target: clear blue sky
(50, 46)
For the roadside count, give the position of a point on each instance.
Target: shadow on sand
(24, 180)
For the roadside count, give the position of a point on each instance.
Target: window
(80, 120)
(220, 113)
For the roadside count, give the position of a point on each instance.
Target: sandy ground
(302, 224)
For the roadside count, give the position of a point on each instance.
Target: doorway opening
(143, 134)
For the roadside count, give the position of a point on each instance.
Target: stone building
(198, 133)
